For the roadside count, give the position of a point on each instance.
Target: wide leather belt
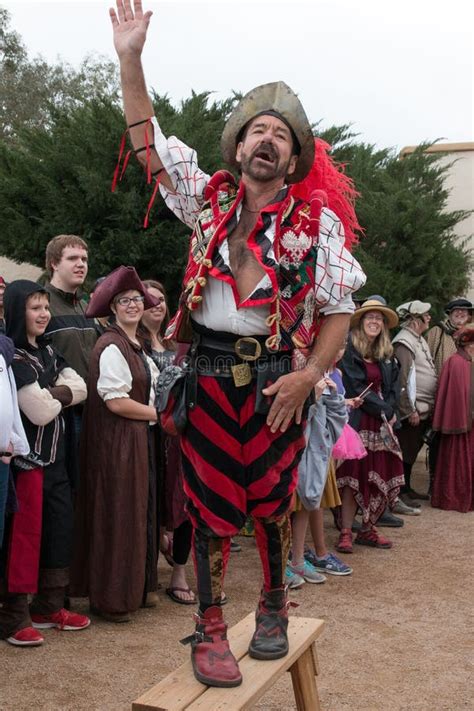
(247, 348)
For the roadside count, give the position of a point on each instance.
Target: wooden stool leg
(304, 683)
(315, 659)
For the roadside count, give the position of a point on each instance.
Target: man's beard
(262, 171)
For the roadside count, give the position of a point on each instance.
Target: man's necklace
(253, 212)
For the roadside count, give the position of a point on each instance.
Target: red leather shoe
(27, 637)
(213, 662)
(62, 620)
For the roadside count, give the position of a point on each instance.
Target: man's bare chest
(240, 255)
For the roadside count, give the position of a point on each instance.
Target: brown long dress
(116, 532)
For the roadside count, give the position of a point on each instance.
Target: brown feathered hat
(277, 99)
(121, 279)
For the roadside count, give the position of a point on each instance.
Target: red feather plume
(327, 176)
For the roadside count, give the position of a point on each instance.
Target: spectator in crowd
(117, 527)
(453, 486)
(418, 383)
(2, 291)
(299, 569)
(73, 334)
(175, 546)
(319, 557)
(368, 366)
(440, 338)
(41, 530)
(12, 434)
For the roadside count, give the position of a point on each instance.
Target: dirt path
(398, 633)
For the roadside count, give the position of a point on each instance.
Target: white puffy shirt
(338, 274)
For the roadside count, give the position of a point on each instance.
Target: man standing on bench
(262, 265)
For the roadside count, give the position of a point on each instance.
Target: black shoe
(409, 502)
(388, 520)
(270, 639)
(413, 495)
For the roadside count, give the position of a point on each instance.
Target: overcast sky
(400, 72)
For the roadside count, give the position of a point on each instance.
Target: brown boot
(270, 639)
(213, 662)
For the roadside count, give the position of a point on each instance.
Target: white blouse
(338, 274)
(115, 377)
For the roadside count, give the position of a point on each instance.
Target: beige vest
(422, 380)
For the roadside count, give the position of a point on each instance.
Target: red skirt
(376, 479)
(453, 486)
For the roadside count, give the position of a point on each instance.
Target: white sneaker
(401, 508)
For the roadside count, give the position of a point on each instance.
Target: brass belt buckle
(248, 348)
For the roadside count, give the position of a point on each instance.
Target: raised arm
(130, 29)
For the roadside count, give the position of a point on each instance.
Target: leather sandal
(171, 592)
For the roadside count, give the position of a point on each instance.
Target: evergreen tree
(31, 89)
(63, 131)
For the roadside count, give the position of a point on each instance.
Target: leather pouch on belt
(170, 399)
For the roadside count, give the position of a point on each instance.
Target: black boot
(270, 639)
(389, 520)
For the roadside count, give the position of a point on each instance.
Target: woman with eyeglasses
(370, 371)
(176, 531)
(117, 528)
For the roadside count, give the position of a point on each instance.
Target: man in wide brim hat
(441, 337)
(257, 244)
(373, 304)
(120, 280)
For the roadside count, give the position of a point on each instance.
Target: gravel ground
(398, 632)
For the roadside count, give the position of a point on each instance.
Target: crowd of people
(91, 488)
(265, 399)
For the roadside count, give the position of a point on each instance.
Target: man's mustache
(266, 150)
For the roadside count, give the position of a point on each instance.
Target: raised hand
(130, 27)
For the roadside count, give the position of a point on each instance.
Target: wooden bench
(181, 692)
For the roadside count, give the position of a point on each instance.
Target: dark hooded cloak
(31, 364)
